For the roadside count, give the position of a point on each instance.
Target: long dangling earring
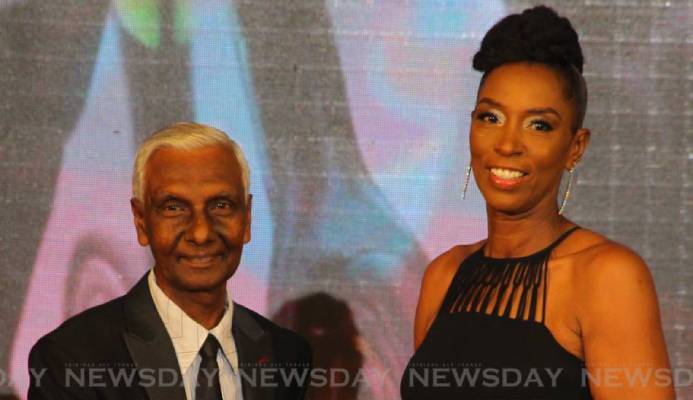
(566, 195)
(466, 180)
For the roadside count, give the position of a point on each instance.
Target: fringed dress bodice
(489, 340)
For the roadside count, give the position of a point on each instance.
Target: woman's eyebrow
(544, 110)
(540, 110)
(489, 101)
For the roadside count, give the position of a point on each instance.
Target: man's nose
(200, 229)
(509, 142)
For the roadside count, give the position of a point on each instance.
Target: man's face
(194, 217)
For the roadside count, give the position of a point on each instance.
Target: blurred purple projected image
(354, 117)
(407, 97)
(407, 94)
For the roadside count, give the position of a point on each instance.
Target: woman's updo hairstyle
(538, 35)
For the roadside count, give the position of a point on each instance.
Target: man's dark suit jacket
(97, 352)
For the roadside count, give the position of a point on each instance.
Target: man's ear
(248, 215)
(140, 224)
(578, 146)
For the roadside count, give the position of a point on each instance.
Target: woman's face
(521, 138)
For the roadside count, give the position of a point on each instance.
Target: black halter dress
(480, 347)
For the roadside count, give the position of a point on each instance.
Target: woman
(542, 308)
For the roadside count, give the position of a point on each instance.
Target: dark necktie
(208, 387)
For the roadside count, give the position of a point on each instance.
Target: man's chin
(202, 284)
(200, 281)
(183, 279)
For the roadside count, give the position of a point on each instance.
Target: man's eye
(222, 207)
(172, 208)
(541, 125)
(222, 204)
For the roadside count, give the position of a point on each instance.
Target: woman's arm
(434, 286)
(625, 352)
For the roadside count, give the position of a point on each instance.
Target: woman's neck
(521, 235)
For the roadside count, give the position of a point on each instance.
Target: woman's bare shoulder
(435, 283)
(618, 315)
(445, 265)
(439, 275)
(581, 244)
(596, 255)
(605, 268)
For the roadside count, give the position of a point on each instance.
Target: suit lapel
(254, 347)
(150, 347)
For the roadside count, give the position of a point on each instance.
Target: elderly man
(177, 334)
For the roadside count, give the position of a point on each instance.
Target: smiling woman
(523, 137)
(542, 307)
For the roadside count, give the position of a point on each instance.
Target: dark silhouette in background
(329, 326)
(331, 220)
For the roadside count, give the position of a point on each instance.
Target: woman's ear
(578, 146)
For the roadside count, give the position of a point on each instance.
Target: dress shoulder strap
(561, 238)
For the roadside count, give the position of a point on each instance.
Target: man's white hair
(184, 136)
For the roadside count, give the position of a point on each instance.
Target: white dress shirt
(188, 336)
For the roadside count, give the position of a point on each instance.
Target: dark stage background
(354, 116)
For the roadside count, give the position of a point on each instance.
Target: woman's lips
(505, 178)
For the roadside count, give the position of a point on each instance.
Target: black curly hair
(537, 35)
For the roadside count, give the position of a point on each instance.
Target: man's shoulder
(277, 332)
(71, 360)
(287, 345)
(96, 328)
